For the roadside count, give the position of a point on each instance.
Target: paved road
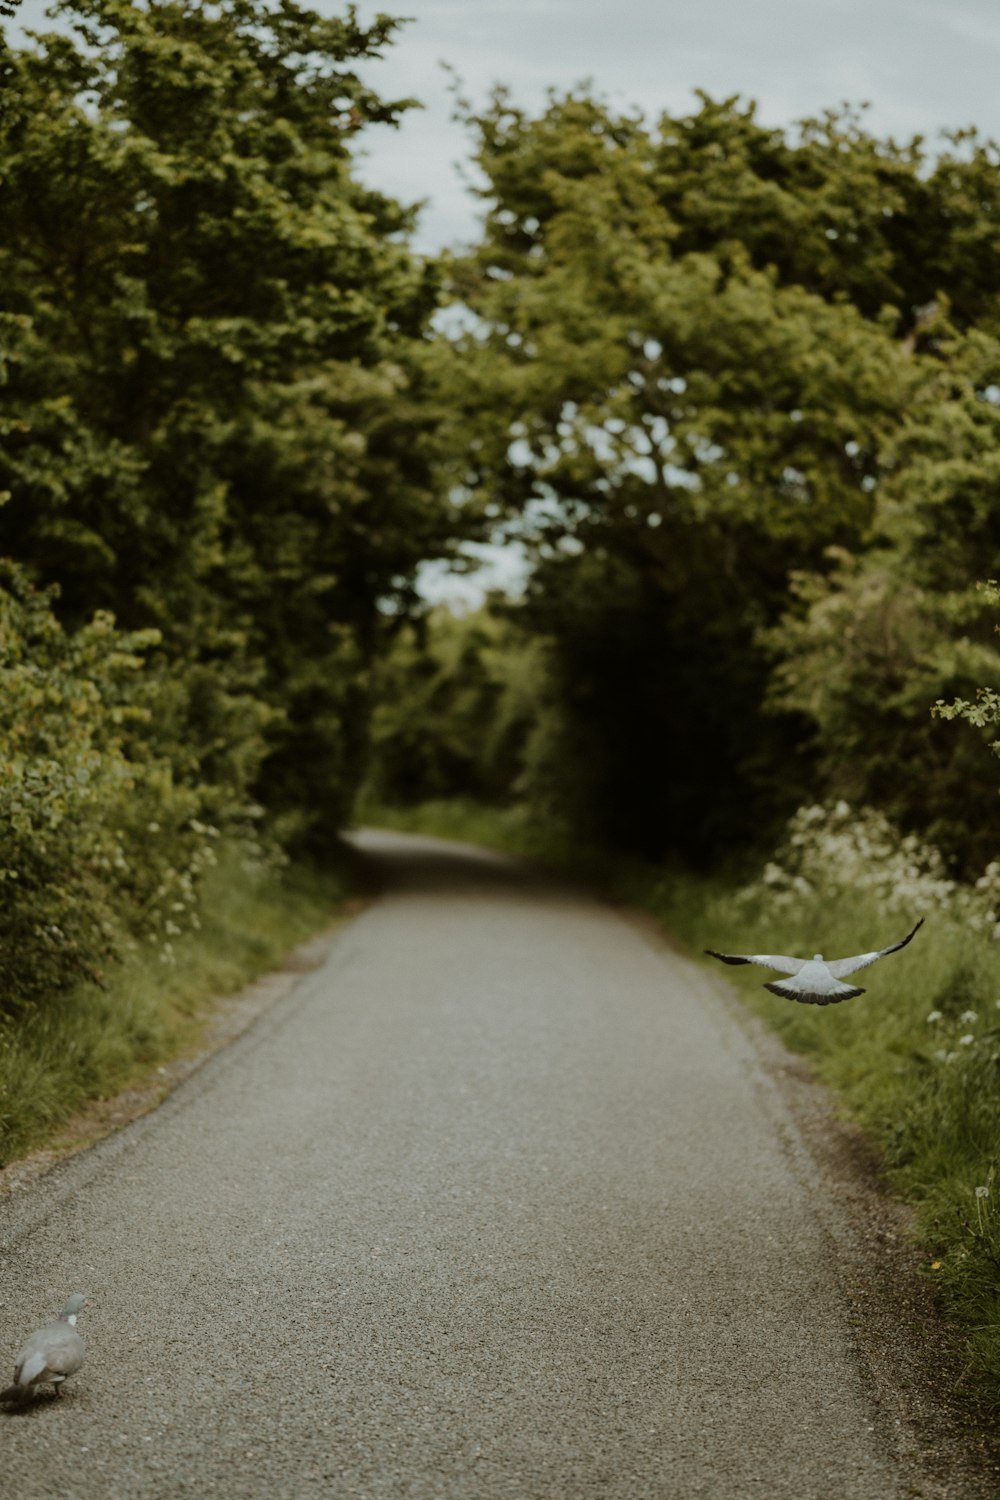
(495, 1205)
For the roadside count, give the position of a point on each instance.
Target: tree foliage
(899, 626)
(214, 352)
(457, 701)
(714, 373)
(982, 711)
(101, 843)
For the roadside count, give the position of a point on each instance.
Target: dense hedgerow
(99, 844)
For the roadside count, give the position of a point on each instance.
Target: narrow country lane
(496, 1203)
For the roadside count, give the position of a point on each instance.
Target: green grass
(929, 1100)
(91, 1042)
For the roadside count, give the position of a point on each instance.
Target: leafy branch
(984, 710)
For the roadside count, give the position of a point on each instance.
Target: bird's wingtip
(728, 958)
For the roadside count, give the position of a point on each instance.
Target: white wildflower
(968, 1016)
(966, 1040)
(935, 1015)
(982, 1192)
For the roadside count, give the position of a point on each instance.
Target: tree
(457, 700)
(216, 348)
(731, 386)
(101, 844)
(676, 418)
(899, 625)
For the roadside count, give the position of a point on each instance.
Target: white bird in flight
(814, 981)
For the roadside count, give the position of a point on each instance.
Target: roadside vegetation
(916, 1061)
(734, 392)
(102, 1038)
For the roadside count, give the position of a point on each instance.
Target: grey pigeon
(814, 981)
(50, 1356)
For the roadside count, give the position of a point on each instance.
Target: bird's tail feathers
(810, 997)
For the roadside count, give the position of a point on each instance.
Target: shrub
(99, 844)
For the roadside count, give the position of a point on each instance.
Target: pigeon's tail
(15, 1393)
(788, 991)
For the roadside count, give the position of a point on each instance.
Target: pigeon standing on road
(814, 981)
(50, 1355)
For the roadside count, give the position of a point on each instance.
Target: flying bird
(50, 1356)
(814, 981)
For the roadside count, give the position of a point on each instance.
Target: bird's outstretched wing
(766, 960)
(841, 967)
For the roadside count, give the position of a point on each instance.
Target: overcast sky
(922, 64)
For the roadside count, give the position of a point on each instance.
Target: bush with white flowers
(836, 851)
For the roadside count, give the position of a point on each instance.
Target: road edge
(226, 1019)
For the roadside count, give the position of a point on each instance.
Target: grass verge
(915, 1062)
(90, 1042)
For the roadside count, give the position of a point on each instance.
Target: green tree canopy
(215, 351)
(694, 353)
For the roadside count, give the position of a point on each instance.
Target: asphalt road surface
(495, 1203)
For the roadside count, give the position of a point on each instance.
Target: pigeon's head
(75, 1305)
(817, 958)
